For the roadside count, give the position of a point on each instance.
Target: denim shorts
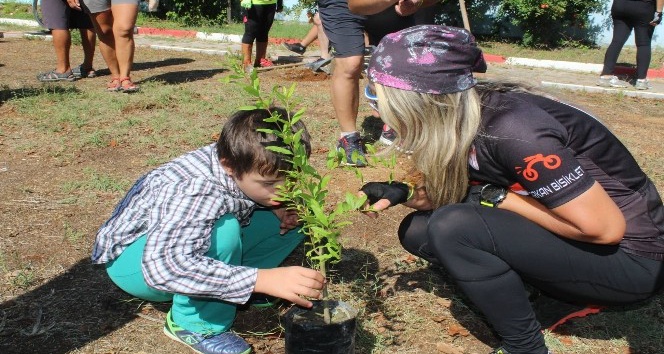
(97, 6)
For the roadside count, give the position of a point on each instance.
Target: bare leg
(103, 22)
(345, 91)
(61, 44)
(323, 42)
(246, 53)
(88, 40)
(124, 19)
(311, 35)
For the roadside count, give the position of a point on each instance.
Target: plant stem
(326, 306)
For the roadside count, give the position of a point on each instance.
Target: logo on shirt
(550, 162)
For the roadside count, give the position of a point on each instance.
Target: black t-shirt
(554, 152)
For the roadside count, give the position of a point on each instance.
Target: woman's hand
(290, 283)
(420, 200)
(288, 217)
(74, 4)
(407, 7)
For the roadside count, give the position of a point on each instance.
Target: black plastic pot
(306, 331)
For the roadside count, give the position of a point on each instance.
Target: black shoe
(354, 150)
(295, 47)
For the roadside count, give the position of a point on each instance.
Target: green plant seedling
(305, 189)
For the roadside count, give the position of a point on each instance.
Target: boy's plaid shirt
(176, 205)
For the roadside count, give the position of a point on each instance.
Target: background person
(257, 24)
(204, 232)
(642, 17)
(60, 19)
(114, 22)
(345, 31)
(316, 32)
(555, 199)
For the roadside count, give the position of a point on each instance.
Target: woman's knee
(451, 226)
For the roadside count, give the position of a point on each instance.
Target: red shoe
(265, 62)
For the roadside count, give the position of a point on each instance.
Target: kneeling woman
(518, 187)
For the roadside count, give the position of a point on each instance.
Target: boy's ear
(224, 164)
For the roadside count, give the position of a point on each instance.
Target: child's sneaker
(222, 343)
(611, 81)
(354, 150)
(295, 47)
(388, 135)
(642, 84)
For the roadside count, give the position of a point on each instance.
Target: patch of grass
(15, 9)
(71, 234)
(96, 181)
(24, 278)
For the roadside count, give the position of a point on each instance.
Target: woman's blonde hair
(439, 130)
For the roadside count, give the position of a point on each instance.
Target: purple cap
(427, 59)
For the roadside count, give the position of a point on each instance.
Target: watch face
(493, 194)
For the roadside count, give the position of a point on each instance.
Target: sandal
(114, 85)
(82, 72)
(126, 85)
(56, 76)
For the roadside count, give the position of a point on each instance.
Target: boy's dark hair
(242, 146)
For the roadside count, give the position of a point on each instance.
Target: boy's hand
(288, 218)
(289, 283)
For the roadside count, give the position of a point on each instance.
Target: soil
(53, 300)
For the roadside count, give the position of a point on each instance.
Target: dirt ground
(53, 300)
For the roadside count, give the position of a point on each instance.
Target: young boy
(204, 232)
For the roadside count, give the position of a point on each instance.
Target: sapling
(305, 189)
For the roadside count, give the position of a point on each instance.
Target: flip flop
(53, 75)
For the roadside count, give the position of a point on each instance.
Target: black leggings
(258, 23)
(628, 15)
(490, 253)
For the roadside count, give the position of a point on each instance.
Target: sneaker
(265, 62)
(295, 47)
(642, 84)
(388, 135)
(354, 149)
(222, 343)
(611, 81)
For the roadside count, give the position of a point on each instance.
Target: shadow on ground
(71, 310)
(179, 77)
(138, 66)
(9, 94)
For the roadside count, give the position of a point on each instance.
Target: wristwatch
(492, 195)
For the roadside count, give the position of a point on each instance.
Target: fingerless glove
(395, 192)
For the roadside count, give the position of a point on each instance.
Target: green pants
(257, 245)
